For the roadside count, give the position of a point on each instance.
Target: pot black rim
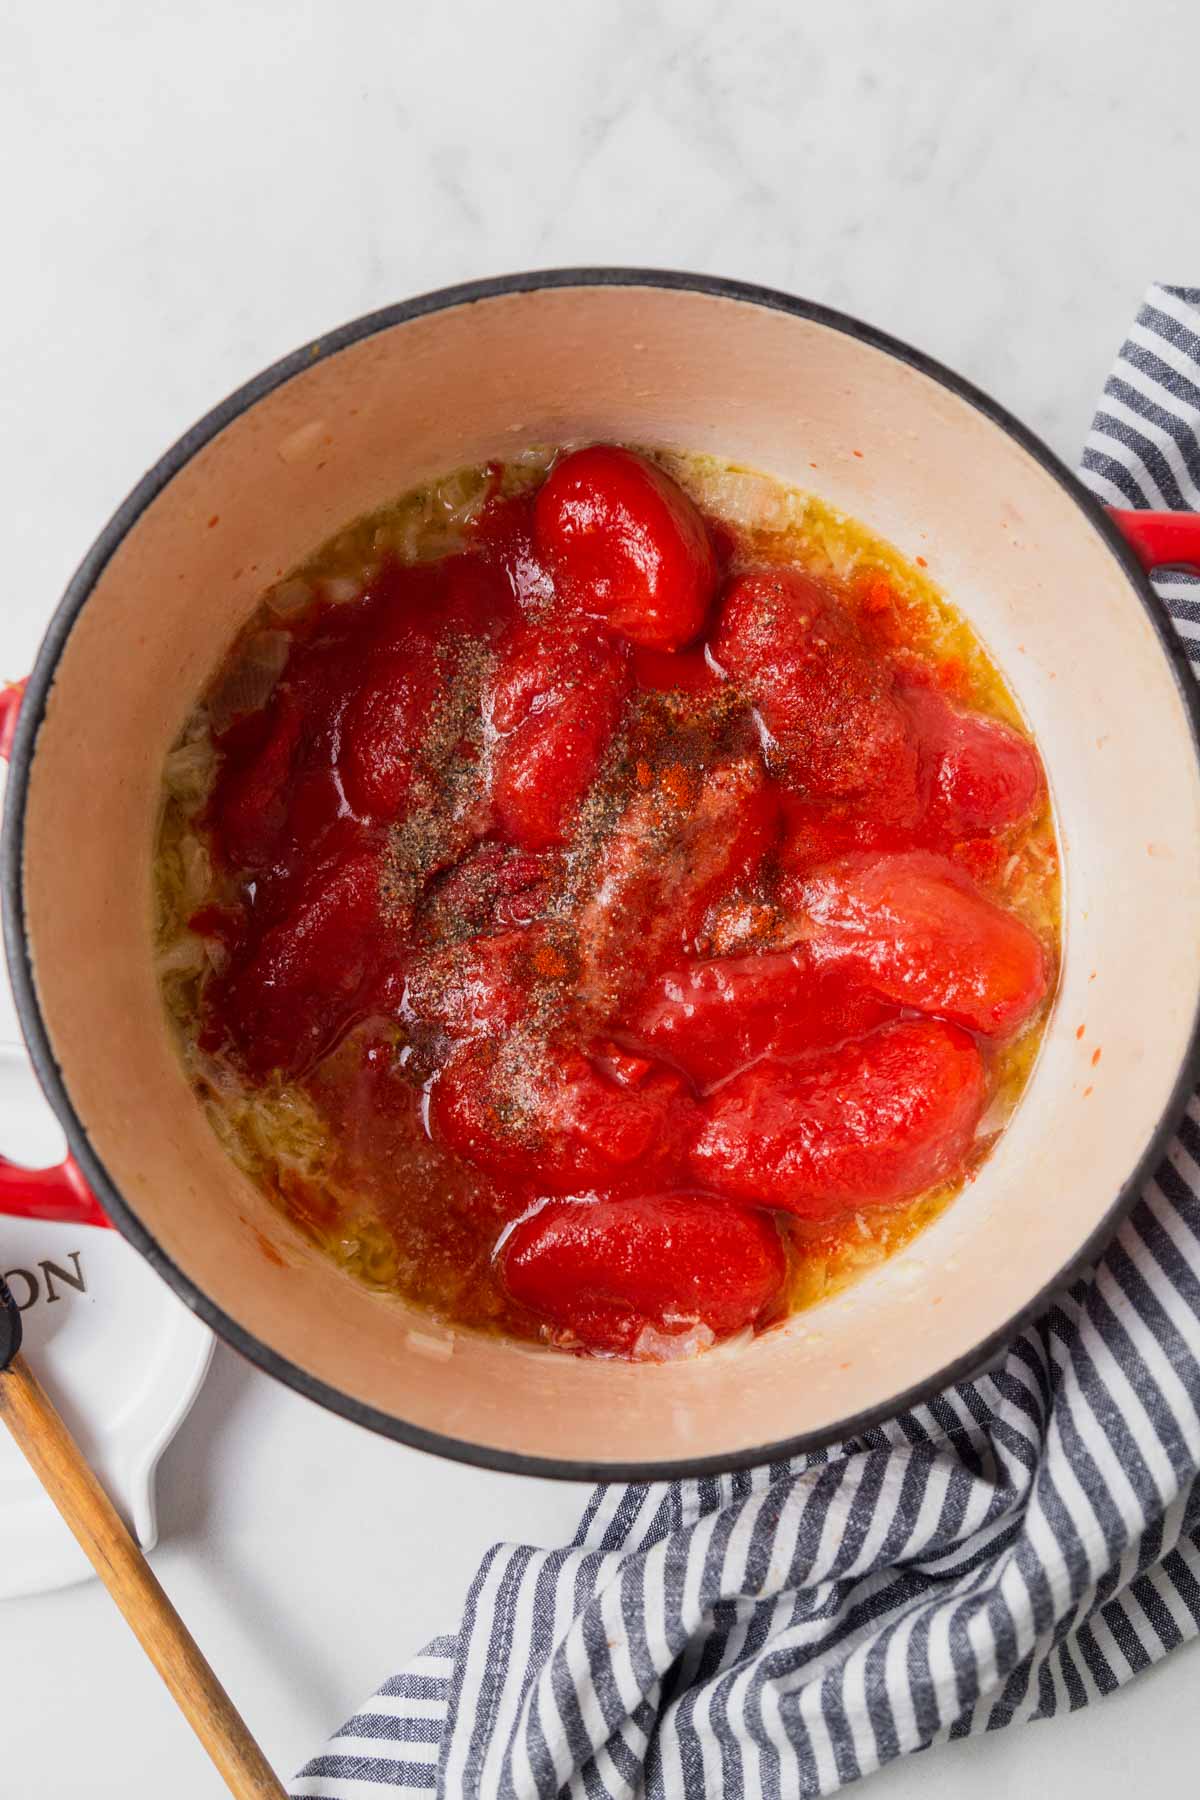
(966, 1367)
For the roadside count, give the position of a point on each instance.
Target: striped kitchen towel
(1022, 1545)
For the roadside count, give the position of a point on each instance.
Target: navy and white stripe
(1144, 446)
(1022, 1545)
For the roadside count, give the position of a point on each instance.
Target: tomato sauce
(600, 919)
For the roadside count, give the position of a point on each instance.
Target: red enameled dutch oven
(805, 394)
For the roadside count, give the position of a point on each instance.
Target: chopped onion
(410, 539)
(652, 1345)
(217, 954)
(996, 1116)
(188, 772)
(865, 1256)
(456, 498)
(340, 589)
(753, 500)
(197, 872)
(537, 457)
(184, 957)
(742, 496)
(250, 684)
(287, 598)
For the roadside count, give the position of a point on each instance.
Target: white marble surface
(188, 193)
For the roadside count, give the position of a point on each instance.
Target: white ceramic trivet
(121, 1357)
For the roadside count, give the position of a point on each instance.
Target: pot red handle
(1161, 540)
(59, 1193)
(11, 696)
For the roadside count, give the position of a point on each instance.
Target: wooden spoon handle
(59, 1465)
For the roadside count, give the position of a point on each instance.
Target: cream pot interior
(755, 378)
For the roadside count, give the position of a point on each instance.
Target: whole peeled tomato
(632, 1275)
(552, 703)
(551, 1117)
(979, 774)
(248, 810)
(289, 993)
(836, 726)
(877, 1121)
(384, 727)
(624, 541)
(681, 842)
(713, 1017)
(914, 930)
(493, 888)
(479, 988)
